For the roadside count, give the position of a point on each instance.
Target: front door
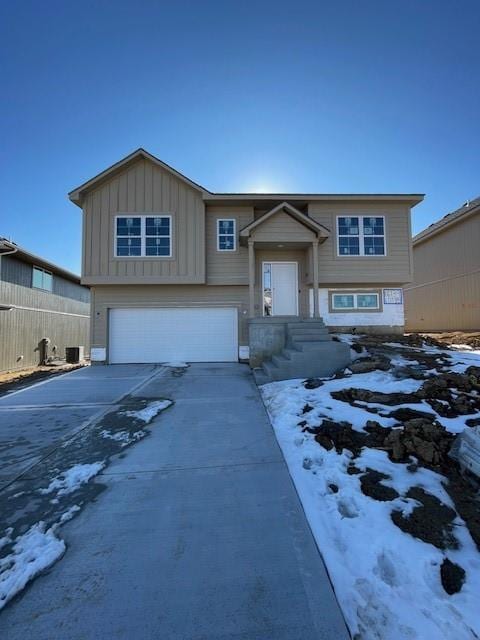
(280, 288)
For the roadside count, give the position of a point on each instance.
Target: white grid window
(353, 301)
(42, 279)
(361, 236)
(226, 235)
(143, 236)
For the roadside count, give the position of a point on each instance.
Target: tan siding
(108, 297)
(394, 267)
(445, 294)
(144, 188)
(227, 267)
(280, 228)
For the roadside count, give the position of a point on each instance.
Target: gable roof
(470, 207)
(317, 228)
(76, 194)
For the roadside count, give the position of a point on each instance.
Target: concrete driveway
(199, 534)
(36, 419)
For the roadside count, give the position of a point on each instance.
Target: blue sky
(294, 96)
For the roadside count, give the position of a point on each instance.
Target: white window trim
(142, 236)
(361, 237)
(355, 302)
(43, 271)
(227, 234)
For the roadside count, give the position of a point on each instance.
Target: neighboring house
(177, 271)
(38, 301)
(445, 294)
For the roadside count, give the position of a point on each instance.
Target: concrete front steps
(309, 352)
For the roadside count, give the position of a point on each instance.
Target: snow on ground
(73, 478)
(33, 552)
(387, 581)
(176, 364)
(150, 411)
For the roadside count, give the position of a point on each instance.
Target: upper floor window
(143, 236)
(361, 236)
(226, 235)
(42, 279)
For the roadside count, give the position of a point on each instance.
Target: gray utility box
(466, 449)
(74, 355)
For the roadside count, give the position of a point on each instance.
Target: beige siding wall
(445, 294)
(108, 297)
(282, 227)
(144, 188)
(227, 267)
(395, 267)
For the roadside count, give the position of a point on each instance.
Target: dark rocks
(312, 383)
(370, 363)
(371, 486)
(452, 576)
(431, 521)
(306, 409)
(340, 435)
(333, 487)
(403, 415)
(428, 441)
(376, 397)
(473, 422)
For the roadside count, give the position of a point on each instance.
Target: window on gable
(42, 279)
(361, 236)
(143, 236)
(226, 235)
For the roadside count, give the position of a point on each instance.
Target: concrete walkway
(199, 536)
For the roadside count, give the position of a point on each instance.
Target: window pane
(349, 246)
(129, 226)
(373, 226)
(157, 226)
(343, 301)
(367, 301)
(226, 243)
(157, 246)
(348, 227)
(267, 289)
(226, 226)
(47, 281)
(37, 278)
(129, 246)
(374, 246)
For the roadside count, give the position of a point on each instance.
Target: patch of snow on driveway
(150, 411)
(73, 478)
(31, 554)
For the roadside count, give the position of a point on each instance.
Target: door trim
(272, 262)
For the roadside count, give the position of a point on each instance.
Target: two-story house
(178, 272)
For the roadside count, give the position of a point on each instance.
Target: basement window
(365, 301)
(42, 279)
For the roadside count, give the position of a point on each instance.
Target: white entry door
(284, 289)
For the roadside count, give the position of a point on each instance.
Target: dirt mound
(428, 441)
(452, 576)
(431, 521)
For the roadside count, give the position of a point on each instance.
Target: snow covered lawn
(391, 584)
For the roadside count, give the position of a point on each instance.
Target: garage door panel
(163, 334)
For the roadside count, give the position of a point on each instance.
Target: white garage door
(165, 335)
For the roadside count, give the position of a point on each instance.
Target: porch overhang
(315, 230)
